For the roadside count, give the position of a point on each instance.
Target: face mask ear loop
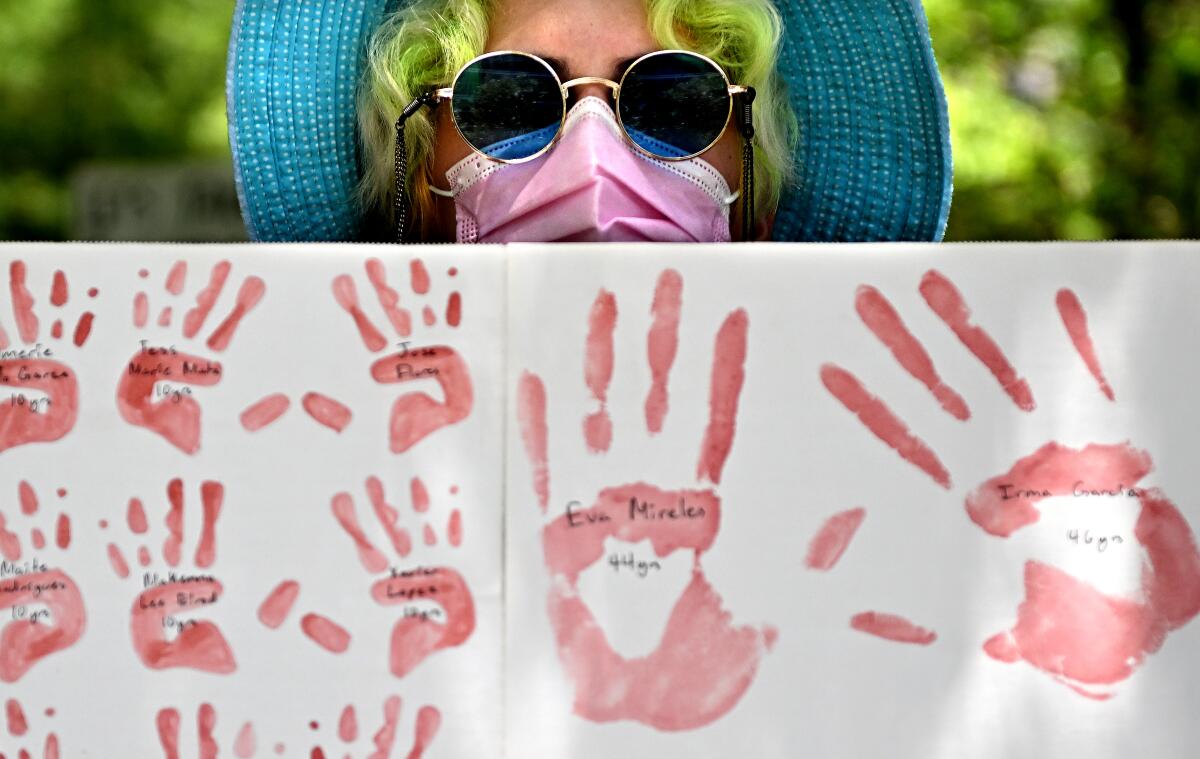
(746, 127)
(403, 209)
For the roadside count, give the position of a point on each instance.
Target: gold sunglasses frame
(447, 93)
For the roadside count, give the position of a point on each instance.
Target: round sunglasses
(671, 104)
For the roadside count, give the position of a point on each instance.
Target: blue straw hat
(873, 162)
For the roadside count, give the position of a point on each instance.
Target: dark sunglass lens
(674, 105)
(508, 106)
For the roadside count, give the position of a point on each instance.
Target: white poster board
(859, 501)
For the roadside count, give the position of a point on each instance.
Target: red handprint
(44, 605)
(428, 722)
(159, 369)
(18, 728)
(1066, 627)
(416, 415)
(161, 638)
(438, 611)
(703, 664)
(41, 400)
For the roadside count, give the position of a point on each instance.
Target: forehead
(590, 37)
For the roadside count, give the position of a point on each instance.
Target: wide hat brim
(873, 160)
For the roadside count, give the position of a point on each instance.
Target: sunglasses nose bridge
(591, 86)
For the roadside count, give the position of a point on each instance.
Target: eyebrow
(566, 74)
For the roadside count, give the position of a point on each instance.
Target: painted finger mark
(58, 289)
(348, 725)
(346, 295)
(728, 377)
(885, 323)
(141, 310)
(246, 744)
(274, 610)
(83, 329)
(662, 346)
(892, 627)
(265, 413)
(325, 633)
(370, 557)
(117, 560)
(834, 538)
(22, 302)
(165, 316)
(212, 496)
(428, 316)
(531, 414)
(194, 320)
(135, 517)
(177, 278)
(429, 721)
(388, 517)
(167, 724)
(419, 277)
(17, 725)
(885, 425)
(249, 296)
(10, 544)
(327, 412)
(420, 495)
(385, 738)
(454, 309)
(454, 529)
(598, 369)
(1075, 319)
(206, 722)
(950, 306)
(62, 531)
(389, 299)
(28, 498)
(173, 546)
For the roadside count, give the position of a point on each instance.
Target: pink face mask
(592, 186)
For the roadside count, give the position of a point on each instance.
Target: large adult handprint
(1067, 627)
(39, 401)
(703, 664)
(156, 389)
(415, 415)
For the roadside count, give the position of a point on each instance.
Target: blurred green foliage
(1071, 119)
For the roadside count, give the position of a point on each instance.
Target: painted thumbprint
(163, 624)
(827, 547)
(156, 390)
(39, 391)
(383, 740)
(703, 664)
(415, 415)
(167, 724)
(43, 604)
(1067, 628)
(435, 604)
(17, 727)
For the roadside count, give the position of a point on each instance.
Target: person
(556, 120)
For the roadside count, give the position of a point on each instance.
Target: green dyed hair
(423, 45)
